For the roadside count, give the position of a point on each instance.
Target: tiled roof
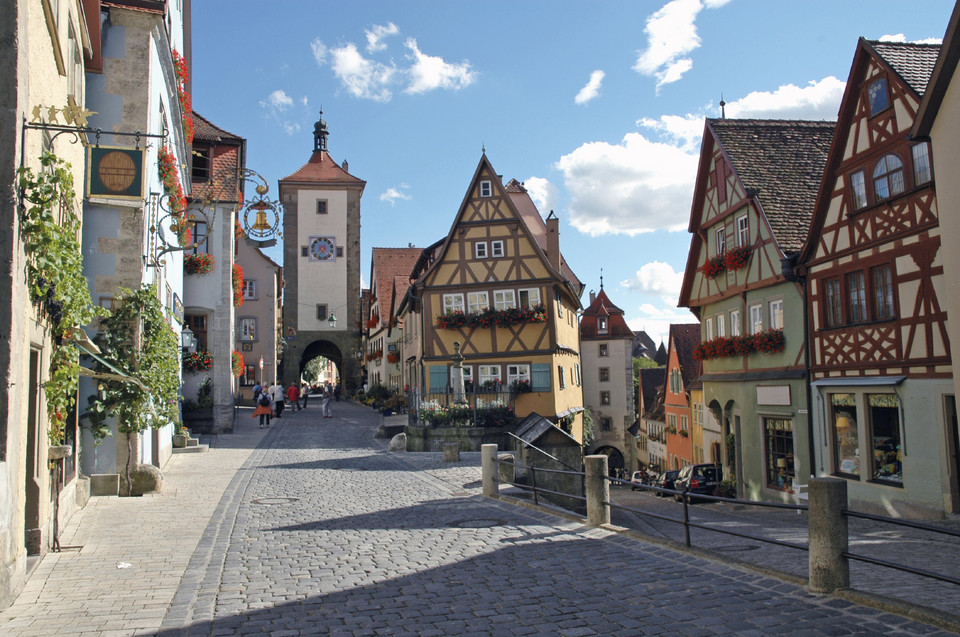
(651, 379)
(684, 339)
(913, 62)
(388, 264)
(322, 168)
(602, 306)
(783, 161)
(205, 130)
(643, 345)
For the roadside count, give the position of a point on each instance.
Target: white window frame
(504, 299)
(533, 297)
(603, 327)
(487, 372)
(756, 319)
(452, 303)
(561, 379)
(517, 372)
(721, 236)
(480, 250)
(922, 173)
(858, 189)
(477, 302)
(496, 249)
(248, 329)
(776, 314)
(734, 322)
(743, 230)
(249, 289)
(721, 328)
(708, 329)
(486, 188)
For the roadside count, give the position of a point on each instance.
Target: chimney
(553, 240)
(345, 166)
(593, 297)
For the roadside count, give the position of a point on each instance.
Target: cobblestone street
(312, 527)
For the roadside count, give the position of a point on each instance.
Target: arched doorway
(615, 464)
(327, 350)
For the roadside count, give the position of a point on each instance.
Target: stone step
(193, 442)
(195, 448)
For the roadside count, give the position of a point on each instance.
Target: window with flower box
(477, 302)
(721, 329)
(756, 319)
(504, 299)
(708, 329)
(776, 314)
(734, 322)
(517, 373)
(529, 298)
(488, 376)
(721, 235)
(743, 231)
(452, 303)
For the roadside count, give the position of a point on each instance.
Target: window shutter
(540, 377)
(438, 379)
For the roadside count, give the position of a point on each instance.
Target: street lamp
(332, 321)
(187, 339)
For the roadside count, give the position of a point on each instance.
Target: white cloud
(278, 101)
(543, 193)
(376, 35)
(392, 194)
(671, 36)
(683, 131)
(430, 72)
(900, 37)
(817, 100)
(656, 321)
(629, 188)
(656, 278)
(361, 77)
(592, 89)
(319, 50)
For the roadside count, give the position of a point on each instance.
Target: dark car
(666, 481)
(701, 479)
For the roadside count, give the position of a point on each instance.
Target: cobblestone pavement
(311, 527)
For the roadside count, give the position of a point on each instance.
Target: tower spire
(320, 134)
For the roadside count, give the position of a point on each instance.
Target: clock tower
(321, 265)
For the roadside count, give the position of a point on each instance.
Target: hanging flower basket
(197, 361)
(393, 357)
(237, 363)
(237, 285)
(766, 342)
(198, 264)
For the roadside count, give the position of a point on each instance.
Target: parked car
(700, 479)
(639, 478)
(666, 481)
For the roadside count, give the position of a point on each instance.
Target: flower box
(199, 264)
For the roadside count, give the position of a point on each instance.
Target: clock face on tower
(323, 248)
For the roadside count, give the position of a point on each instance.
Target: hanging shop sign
(115, 172)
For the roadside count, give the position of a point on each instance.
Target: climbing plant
(49, 226)
(137, 339)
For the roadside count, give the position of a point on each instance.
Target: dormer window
(602, 325)
(486, 189)
(878, 95)
(888, 177)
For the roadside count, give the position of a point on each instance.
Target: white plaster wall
(314, 276)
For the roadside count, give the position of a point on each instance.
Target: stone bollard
(829, 570)
(597, 490)
(451, 452)
(488, 464)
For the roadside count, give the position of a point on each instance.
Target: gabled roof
(661, 357)
(940, 78)
(643, 345)
(207, 131)
(684, 339)
(651, 380)
(388, 265)
(322, 169)
(912, 62)
(782, 161)
(602, 306)
(534, 427)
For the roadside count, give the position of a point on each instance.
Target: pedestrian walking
(304, 394)
(326, 400)
(293, 397)
(276, 391)
(264, 408)
(257, 390)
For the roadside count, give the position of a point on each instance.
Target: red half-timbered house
(880, 368)
(755, 193)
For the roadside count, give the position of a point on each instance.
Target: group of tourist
(272, 400)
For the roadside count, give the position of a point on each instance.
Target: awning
(89, 348)
(859, 381)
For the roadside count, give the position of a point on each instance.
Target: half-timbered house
(390, 270)
(755, 192)
(498, 285)
(683, 376)
(880, 366)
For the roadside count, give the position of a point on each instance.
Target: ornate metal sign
(260, 217)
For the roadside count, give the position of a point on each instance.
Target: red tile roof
(206, 130)
(602, 306)
(391, 267)
(684, 339)
(322, 168)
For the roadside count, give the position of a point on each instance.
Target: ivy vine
(50, 227)
(139, 319)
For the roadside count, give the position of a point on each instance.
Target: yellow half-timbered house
(499, 287)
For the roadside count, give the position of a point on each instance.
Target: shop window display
(847, 439)
(885, 437)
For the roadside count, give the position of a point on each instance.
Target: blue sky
(597, 107)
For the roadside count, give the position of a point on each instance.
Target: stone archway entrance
(615, 464)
